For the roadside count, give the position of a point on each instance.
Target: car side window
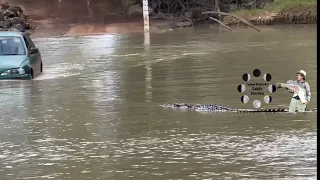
(26, 41)
(30, 42)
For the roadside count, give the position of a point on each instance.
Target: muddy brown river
(95, 114)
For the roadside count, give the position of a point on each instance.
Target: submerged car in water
(19, 58)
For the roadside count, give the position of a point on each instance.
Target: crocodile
(220, 108)
(289, 85)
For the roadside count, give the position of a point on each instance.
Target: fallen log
(234, 16)
(221, 23)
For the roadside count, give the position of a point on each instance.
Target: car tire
(41, 67)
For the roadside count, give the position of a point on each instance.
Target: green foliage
(284, 4)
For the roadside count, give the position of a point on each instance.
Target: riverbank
(111, 18)
(50, 27)
(278, 12)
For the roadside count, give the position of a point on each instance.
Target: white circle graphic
(256, 104)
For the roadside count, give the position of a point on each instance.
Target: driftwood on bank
(234, 16)
(221, 23)
(191, 12)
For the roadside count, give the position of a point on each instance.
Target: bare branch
(218, 8)
(182, 5)
(221, 23)
(234, 16)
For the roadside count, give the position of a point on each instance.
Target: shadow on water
(95, 113)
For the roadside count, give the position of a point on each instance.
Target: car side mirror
(33, 50)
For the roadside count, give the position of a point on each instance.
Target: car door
(35, 58)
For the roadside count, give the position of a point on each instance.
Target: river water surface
(95, 114)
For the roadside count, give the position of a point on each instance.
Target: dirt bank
(81, 17)
(77, 17)
(47, 27)
(50, 27)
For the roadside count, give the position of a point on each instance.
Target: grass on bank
(284, 11)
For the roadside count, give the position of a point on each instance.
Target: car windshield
(11, 46)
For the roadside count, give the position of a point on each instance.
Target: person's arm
(290, 90)
(308, 92)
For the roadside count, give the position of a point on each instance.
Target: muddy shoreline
(55, 28)
(52, 27)
(123, 24)
(76, 17)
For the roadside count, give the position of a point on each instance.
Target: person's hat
(303, 73)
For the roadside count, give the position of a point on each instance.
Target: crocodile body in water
(220, 108)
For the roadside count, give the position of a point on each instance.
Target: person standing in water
(296, 103)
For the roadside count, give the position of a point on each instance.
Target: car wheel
(41, 67)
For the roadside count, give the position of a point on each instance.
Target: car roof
(11, 33)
